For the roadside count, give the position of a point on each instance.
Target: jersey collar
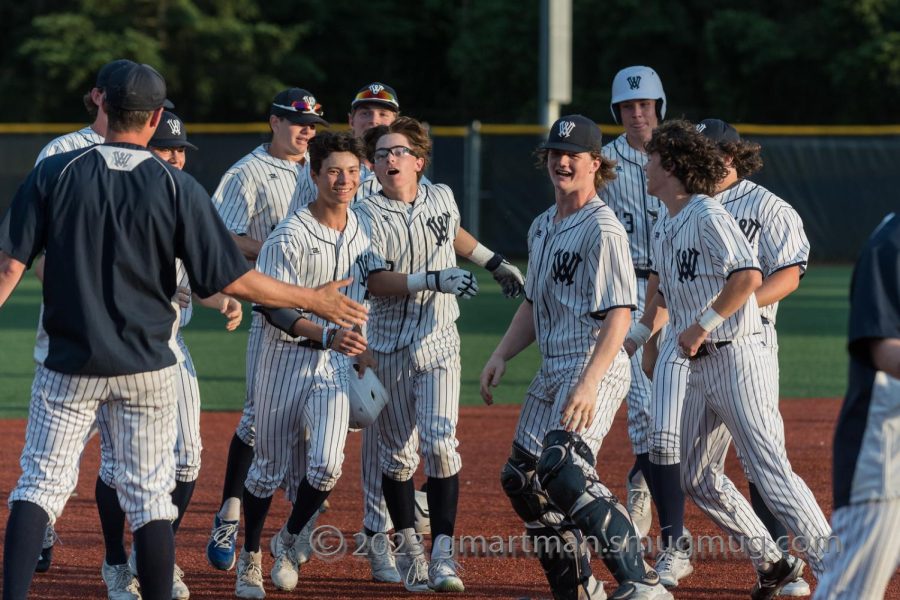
(261, 152)
(625, 152)
(576, 218)
(327, 234)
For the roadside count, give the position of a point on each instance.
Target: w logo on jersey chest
(634, 83)
(687, 264)
(750, 227)
(565, 264)
(440, 227)
(360, 263)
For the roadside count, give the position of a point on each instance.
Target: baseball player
(168, 143)
(304, 365)
(708, 274)
(775, 234)
(415, 229)
(639, 104)
(867, 437)
(252, 198)
(579, 294)
(111, 324)
(83, 138)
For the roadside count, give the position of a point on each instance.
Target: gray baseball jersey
(298, 384)
(732, 393)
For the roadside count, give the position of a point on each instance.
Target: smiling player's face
(337, 178)
(571, 171)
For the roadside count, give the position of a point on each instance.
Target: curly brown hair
(689, 155)
(413, 130)
(605, 174)
(745, 156)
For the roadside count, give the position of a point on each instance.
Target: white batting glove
(456, 281)
(509, 277)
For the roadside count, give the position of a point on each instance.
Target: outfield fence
(841, 179)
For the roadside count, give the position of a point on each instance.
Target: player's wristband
(483, 257)
(639, 334)
(332, 335)
(710, 319)
(282, 318)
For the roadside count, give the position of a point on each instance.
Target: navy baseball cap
(297, 106)
(108, 69)
(136, 87)
(574, 133)
(377, 93)
(718, 130)
(170, 133)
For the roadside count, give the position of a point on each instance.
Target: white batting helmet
(367, 398)
(637, 83)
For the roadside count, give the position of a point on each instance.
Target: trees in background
(451, 61)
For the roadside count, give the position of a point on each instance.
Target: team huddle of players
(654, 276)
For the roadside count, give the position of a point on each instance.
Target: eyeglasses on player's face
(396, 151)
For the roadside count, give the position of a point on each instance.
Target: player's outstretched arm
(326, 301)
(459, 282)
(226, 305)
(519, 335)
(11, 272)
(734, 295)
(505, 273)
(579, 409)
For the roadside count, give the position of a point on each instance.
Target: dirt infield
(485, 435)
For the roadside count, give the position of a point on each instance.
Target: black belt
(703, 350)
(642, 273)
(308, 343)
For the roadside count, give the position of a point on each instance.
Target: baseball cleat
(180, 591)
(443, 576)
(220, 549)
(46, 556)
(304, 541)
(638, 503)
(381, 558)
(249, 576)
(673, 565)
(286, 569)
(121, 584)
(414, 571)
(770, 582)
(797, 588)
(636, 590)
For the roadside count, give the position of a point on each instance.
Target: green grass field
(811, 326)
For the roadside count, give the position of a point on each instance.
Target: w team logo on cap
(701, 127)
(566, 128)
(634, 82)
(376, 88)
(174, 126)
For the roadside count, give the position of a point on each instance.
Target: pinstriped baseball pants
(142, 423)
(188, 446)
(246, 429)
(638, 398)
(298, 388)
(422, 381)
(731, 395)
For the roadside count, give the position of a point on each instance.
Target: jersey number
(628, 222)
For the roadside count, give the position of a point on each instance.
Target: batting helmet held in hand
(367, 398)
(637, 83)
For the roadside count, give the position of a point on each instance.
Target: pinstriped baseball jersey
(773, 228)
(627, 196)
(302, 251)
(695, 251)
(411, 238)
(185, 313)
(576, 275)
(76, 140)
(255, 193)
(71, 141)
